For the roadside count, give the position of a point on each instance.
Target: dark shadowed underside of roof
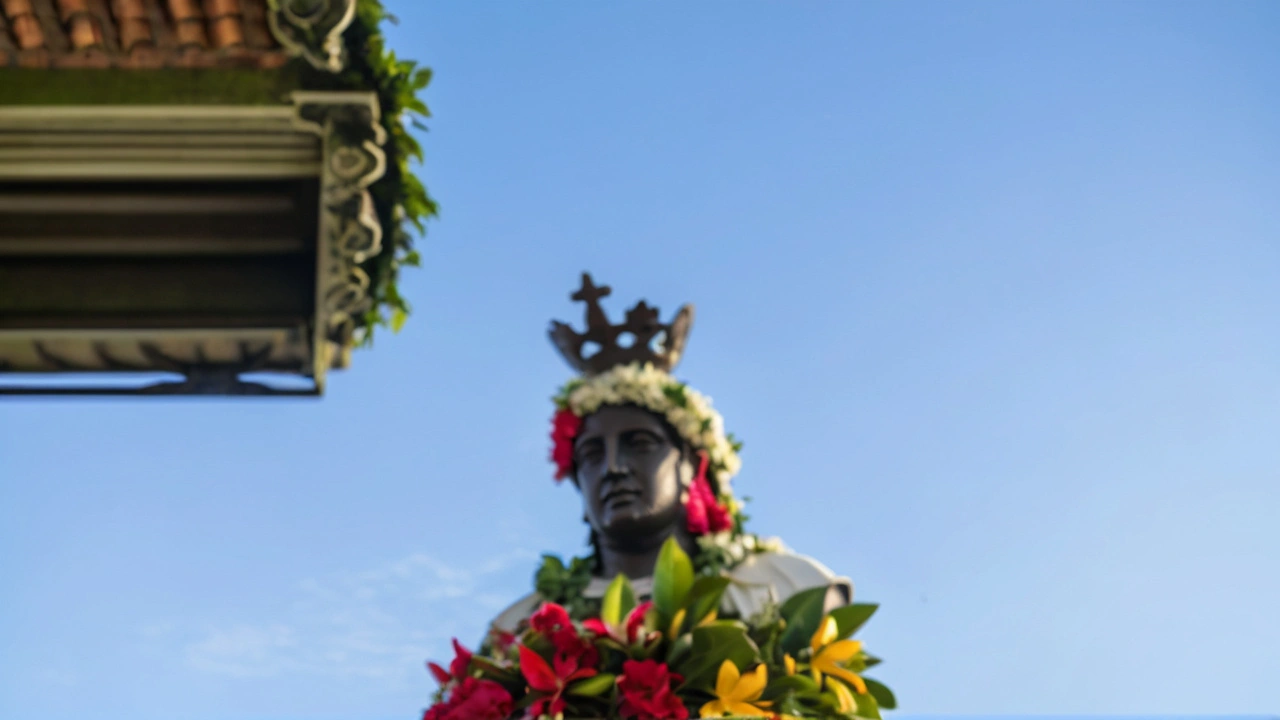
(137, 34)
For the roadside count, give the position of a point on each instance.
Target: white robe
(758, 580)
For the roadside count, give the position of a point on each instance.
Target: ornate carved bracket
(352, 157)
(312, 28)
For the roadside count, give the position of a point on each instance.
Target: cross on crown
(641, 338)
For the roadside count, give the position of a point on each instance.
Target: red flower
(564, 428)
(628, 632)
(646, 692)
(502, 640)
(473, 699)
(635, 620)
(457, 669)
(703, 513)
(552, 621)
(550, 680)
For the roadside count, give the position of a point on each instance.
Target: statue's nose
(617, 461)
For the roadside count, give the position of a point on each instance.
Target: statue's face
(630, 475)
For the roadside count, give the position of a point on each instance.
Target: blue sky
(988, 289)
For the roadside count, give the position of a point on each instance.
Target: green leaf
(611, 644)
(867, 707)
(672, 579)
(803, 613)
(550, 577)
(882, 694)
(799, 684)
(712, 645)
(492, 671)
(592, 686)
(675, 393)
(851, 617)
(398, 317)
(619, 600)
(679, 650)
(704, 596)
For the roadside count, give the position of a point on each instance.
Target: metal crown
(642, 338)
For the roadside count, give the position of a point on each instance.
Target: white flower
(646, 386)
(770, 544)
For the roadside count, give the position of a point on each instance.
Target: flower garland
(669, 659)
(687, 410)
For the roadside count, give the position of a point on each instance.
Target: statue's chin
(636, 529)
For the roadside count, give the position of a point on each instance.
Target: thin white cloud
(245, 651)
(380, 623)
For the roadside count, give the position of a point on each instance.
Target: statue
(677, 609)
(642, 480)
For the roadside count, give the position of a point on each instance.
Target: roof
(137, 34)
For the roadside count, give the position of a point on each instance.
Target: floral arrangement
(670, 658)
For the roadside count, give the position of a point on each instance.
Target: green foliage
(799, 681)
(867, 706)
(593, 686)
(802, 613)
(619, 600)
(712, 645)
(682, 631)
(882, 694)
(734, 442)
(561, 398)
(704, 597)
(400, 200)
(672, 580)
(564, 585)
(852, 617)
(676, 394)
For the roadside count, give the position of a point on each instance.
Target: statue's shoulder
(776, 575)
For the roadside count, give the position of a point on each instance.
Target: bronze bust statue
(651, 461)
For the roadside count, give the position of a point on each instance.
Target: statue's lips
(621, 496)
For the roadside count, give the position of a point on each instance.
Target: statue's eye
(643, 441)
(588, 453)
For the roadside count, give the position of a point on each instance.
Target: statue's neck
(638, 558)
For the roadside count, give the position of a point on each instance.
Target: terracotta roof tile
(227, 31)
(68, 9)
(137, 34)
(256, 33)
(23, 24)
(221, 8)
(7, 48)
(85, 32)
(183, 9)
(132, 23)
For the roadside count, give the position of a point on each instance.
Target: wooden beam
(150, 246)
(126, 203)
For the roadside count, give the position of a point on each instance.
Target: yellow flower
(735, 693)
(676, 623)
(790, 662)
(828, 653)
(847, 703)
